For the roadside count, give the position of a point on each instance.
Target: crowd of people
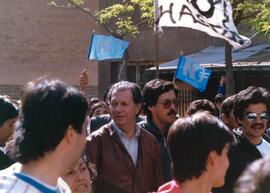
(133, 141)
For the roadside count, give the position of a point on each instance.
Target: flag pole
(157, 51)
(156, 29)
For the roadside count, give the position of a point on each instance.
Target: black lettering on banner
(166, 11)
(209, 13)
(226, 20)
(201, 20)
(182, 12)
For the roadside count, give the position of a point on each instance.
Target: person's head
(78, 177)
(218, 101)
(98, 109)
(201, 105)
(198, 146)
(160, 101)
(252, 112)
(53, 116)
(255, 178)
(8, 115)
(93, 101)
(227, 112)
(125, 101)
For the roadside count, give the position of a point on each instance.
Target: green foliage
(128, 16)
(123, 17)
(254, 13)
(261, 22)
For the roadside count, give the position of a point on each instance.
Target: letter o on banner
(207, 13)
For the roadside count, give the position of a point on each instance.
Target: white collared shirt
(131, 144)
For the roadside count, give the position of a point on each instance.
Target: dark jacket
(5, 161)
(164, 152)
(240, 155)
(98, 121)
(116, 172)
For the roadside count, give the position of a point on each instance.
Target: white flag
(211, 16)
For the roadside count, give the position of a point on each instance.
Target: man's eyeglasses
(252, 117)
(167, 103)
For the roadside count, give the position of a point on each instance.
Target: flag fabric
(192, 73)
(213, 17)
(104, 47)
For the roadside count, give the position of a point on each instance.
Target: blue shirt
(131, 144)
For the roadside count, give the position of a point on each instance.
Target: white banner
(211, 16)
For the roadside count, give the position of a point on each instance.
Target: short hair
(152, 90)
(251, 95)
(228, 105)
(8, 110)
(125, 85)
(96, 106)
(49, 107)
(190, 141)
(218, 98)
(93, 101)
(201, 105)
(255, 178)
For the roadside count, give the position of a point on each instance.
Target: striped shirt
(12, 181)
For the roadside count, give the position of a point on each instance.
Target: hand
(83, 80)
(222, 80)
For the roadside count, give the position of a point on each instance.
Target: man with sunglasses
(160, 107)
(251, 111)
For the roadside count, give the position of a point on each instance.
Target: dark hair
(48, 109)
(8, 110)
(201, 105)
(255, 178)
(95, 107)
(251, 95)
(228, 105)
(152, 90)
(93, 101)
(190, 141)
(124, 85)
(218, 98)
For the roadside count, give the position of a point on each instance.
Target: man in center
(125, 156)
(160, 106)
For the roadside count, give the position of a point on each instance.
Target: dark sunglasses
(167, 103)
(252, 117)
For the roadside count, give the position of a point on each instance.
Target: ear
(151, 108)
(239, 121)
(224, 118)
(211, 159)
(69, 135)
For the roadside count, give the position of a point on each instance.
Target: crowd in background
(133, 141)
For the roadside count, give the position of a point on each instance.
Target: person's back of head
(251, 95)
(255, 178)
(201, 105)
(191, 140)
(227, 112)
(8, 111)
(49, 108)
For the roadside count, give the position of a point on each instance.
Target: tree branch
(87, 11)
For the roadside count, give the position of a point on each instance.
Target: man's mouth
(257, 126)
